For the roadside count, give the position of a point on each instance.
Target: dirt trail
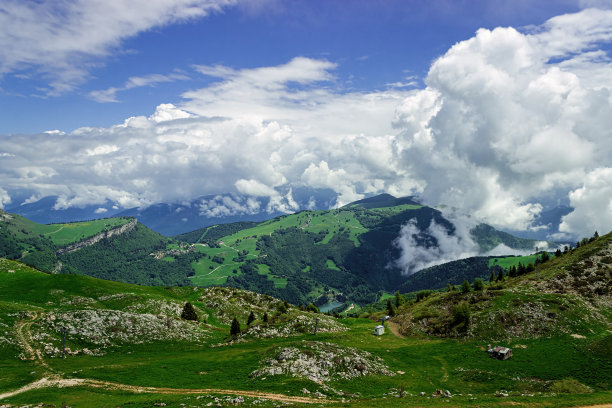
(394, 328)
(56, 381)
(24, 336)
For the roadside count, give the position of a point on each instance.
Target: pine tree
(465, 287)
(399, 299)
(500, 276)
(189, 312)
(251, 318)
(265, 318)
(478, 285)
(390, 308)
(235, 329)
(492, 276)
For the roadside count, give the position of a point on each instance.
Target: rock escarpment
(122, 229)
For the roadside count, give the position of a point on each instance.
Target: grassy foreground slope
(128, 346)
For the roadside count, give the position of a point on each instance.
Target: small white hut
(379, 330)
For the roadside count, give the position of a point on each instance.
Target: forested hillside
(95, 248)
(347, 254)
(127, 258)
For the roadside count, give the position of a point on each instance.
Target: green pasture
(508, 261)
(67, 233)
(421, 364)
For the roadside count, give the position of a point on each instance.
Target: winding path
(57, 381)
(53, 378)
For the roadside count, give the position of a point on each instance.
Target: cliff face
(122, 229)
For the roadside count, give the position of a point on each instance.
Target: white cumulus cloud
(507, 121)
(593, 205)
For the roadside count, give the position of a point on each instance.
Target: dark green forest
(126, 258)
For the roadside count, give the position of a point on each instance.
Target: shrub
(478, 284)
(569, 386)
(465, 287)
(461, 317)
(423, 294)
(189, 312)
(312, 308)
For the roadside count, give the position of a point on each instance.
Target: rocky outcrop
(122, 229)
(322, 362)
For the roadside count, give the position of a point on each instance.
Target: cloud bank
(507, 120)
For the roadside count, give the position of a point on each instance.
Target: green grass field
(208, 272)
(507, 262)
(421, 364)
(67, 233)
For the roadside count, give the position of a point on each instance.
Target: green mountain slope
(569, 294)
(343, 255)
(346, 254)
(128, 346)
(117, 249)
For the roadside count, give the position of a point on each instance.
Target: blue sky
(374, 43)
(498, 108)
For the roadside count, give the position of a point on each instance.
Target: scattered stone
(305, 391)
(105, 327)
(321, 362)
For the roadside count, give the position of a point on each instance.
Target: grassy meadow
(420, 363)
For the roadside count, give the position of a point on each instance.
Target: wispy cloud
(110, 94)
(60, 41)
